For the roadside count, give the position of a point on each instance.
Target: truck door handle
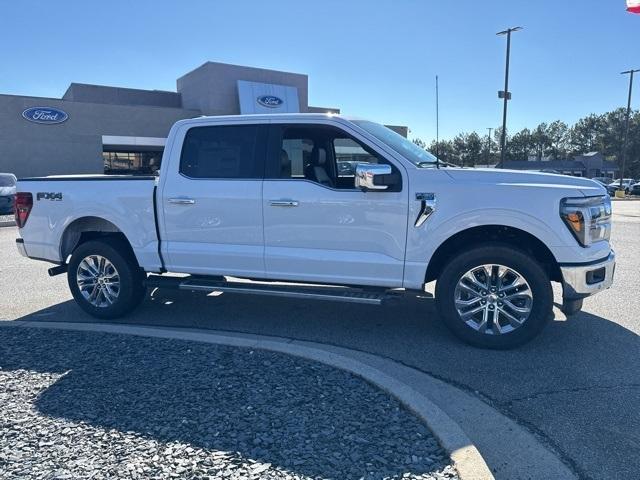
(182, 201)
(283, 203)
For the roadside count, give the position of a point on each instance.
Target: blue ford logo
(270, 101)
(45, 115)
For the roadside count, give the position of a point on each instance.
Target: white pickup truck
(324, 207)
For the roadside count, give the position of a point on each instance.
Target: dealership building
(102, 129)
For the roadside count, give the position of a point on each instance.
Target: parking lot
(577, 386)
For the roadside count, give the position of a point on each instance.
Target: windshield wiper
(427, 164)
(437, 164)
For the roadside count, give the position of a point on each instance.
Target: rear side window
(226, 151)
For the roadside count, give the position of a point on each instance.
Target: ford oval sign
(45, 115)
(270, 101)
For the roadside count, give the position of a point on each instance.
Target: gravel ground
(86, 405)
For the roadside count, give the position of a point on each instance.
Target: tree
(603, 133)
(488, 150)
(497, 136)
(460, 148)
(541, 140)
(474, 149)
(445, 151)
(586, 135)
(419, 142)
(521, 145)
(633, 148)
(558, 139)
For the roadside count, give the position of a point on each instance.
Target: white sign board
(267, 98)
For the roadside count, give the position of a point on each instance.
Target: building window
(132, 163)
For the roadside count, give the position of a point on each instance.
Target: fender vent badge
(428, 206)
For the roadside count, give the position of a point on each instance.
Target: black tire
(537, 278)
(131, 277)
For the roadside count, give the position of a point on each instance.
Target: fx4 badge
(57, 196)
(427, 207)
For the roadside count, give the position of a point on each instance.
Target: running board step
(313, 293)
(340, 294)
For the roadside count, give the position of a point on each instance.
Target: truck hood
(524, 179)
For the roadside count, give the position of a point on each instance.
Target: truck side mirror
(366, 174)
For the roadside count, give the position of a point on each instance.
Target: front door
(318, 226)
(212, 202)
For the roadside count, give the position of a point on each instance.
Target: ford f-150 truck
(324, 207)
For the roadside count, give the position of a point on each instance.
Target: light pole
(626, 122)
(489, 146)
(505, 94)
(437, 122)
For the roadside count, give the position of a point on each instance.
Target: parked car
(7, 193)
(603, 180)
(615, 185)
(635, 189)
(260, 197)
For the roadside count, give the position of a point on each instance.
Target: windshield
(624, 180)
(404, 147)
(7, 181)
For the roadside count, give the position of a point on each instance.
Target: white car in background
(615, 185)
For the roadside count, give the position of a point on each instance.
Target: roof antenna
(437, 126)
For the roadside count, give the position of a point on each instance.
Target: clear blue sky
(375, 59)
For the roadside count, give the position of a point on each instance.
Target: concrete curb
(625, 199)
(464, 454)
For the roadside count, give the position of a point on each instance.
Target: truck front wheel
(494, 297)
(105, 279)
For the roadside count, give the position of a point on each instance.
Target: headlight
(588, 218)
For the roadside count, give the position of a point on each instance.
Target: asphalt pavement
(577, 386)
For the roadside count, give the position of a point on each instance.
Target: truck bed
(126, 203)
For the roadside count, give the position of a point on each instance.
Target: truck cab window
(320, 154)
(348, 154)
(221, 152)
(295, 154)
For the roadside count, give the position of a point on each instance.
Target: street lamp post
(505, 94)
(437, 121)
(626, 123)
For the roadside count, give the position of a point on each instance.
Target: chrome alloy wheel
(493, 299)
(98, 281)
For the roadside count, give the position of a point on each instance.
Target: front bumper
(580, 281)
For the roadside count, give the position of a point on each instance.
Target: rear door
(212, 200)
(318, 226)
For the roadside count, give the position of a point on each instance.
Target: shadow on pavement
(563, 385)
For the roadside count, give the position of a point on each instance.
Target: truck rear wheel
(494, 297)
(105, 279)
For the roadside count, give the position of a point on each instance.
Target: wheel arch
(484, 234)
(87, 228)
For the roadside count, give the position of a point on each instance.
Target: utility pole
(437, 121)
(506, 95)
(489, 146)
(626, 122)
